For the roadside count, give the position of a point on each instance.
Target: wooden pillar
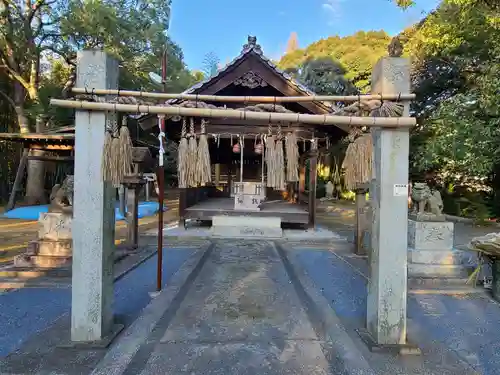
(17, 182)
(229, 178)
(182, 206)
(132, 215)
(313, 172)
(217, 174)
(361, 191)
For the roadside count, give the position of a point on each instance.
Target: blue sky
(222, 26)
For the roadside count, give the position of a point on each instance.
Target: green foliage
(456, 79)
(356, 54)
(134, 32)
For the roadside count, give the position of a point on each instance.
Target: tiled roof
(250, 47)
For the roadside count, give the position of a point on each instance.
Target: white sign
(400, 190)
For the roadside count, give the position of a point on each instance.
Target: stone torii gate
(93, 230)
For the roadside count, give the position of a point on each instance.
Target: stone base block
(428, 235)
(54, 226)
(62, 248)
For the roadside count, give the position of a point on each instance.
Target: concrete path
(260, 307)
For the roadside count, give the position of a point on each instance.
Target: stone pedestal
(430, 251)
(54, 245)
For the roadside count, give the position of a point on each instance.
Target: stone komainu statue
(427, 201)
(61, 197)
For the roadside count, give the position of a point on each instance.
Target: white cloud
(333, 9)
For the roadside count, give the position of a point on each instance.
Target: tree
(132, 31)
(293, 43)
(210, 65)
(325, 77)
(455, 78)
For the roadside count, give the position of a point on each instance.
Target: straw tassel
(115, 162)
(192, 156)
(106, 157)
(280, 164)
(126, 150)
(183, 158)
(203, 169)
(292, 158)
(270, 161)
(358, 162)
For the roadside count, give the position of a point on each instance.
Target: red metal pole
(161, 185)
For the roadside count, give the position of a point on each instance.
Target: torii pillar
(387, 287)
(94, 210)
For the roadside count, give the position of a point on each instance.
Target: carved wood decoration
(250, 80)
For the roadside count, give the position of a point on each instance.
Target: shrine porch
(289, 213)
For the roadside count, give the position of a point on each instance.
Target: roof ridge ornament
(252, 45)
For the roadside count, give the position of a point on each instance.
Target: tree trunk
(22, 120)
(35, 183)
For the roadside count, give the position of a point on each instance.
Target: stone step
(61, 248)
(434, 282)
(50, 261)
(435, 257)
(416, 270)
(246, 232)
(246, 227)
(445, 289)
(16, 283)
(24, 273)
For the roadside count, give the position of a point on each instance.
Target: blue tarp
(33, 212)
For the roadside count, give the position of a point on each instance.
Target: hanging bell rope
(183, 158)
(203, 168)
(292, 157)
(192, 156)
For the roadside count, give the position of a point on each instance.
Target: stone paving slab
(245, 358)
(242, 292)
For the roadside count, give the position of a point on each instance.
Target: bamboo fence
(247, 99)
(272, 117)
